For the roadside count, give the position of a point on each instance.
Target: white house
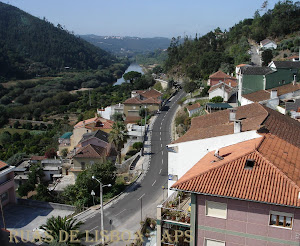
(109, 111)
(210, 132)
(268, 44)
(221, 89)
(194, 109)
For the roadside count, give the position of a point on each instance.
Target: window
(216, 209)
(249, 163)
(281, 219)
(211, 242)
(82, 165)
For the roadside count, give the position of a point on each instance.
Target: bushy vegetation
(199, 57)
(30, 46)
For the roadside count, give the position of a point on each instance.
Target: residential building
(220, 129)
(64, 141)
(88, 126)
(7, 184)
(223, 90)
(89, 155)
(150, 99)
(252, 79)
(274, 98)
(247, 193)
(268, 44)
(194, 109)
(109, 111)
(216, 77)
(214, 107)
(52, 169)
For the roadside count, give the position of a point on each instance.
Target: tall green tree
(118, 136)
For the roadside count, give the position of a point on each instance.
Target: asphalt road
(126, 214)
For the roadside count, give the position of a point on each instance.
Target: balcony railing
(5, 182)
(177, 208)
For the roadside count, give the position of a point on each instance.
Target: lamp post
(93, 194)
(101, 204)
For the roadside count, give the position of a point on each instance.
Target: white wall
(106, 113)
(245, 101)
(270, 46)
(219, 92)
(189, 153)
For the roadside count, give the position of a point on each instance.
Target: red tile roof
(220, 75)
(37, 158)
(94, 123)
(227, 88)
(253, 116)
(132, 119)
(90, 151)
(136, 100)
(150, 93)
(3, 164)
(269, 181)
(193, 106)
(263, 95)
(217, 124)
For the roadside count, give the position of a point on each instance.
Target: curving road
(125, 214)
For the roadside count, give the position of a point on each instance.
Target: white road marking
(159, 171)
(162, 161)
(93, 216)
(121, 212)
(141, 196)
(154, 182)
(161, 145)
(93, 228)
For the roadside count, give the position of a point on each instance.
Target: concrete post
(158, 226)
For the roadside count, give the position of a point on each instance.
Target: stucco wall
(189, 153)
(219, 92)
(252, 83)
(247, 223)
(275, 79)
(245, 101)
(87, 161)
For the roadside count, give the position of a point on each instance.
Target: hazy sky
(142, 18)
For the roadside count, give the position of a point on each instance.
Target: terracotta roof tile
(218, 124)
(263, 95)
(2, 164)
(150, 93)
(267, 181)
(219, 75)
(90, 151)
(219, 85)
(193, 106)
(96, 122)
(132, 119)
(37, 158)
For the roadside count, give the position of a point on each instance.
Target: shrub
(137, 146)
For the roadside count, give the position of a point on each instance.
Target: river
(132, 67)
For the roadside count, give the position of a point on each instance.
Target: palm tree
(56, 224)
(118, 136)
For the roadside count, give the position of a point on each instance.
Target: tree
(189, 86)
(266, 57)
(117, 117)
(217, 99)
(56, 224)
(3, 116)
(157, 69)
(158, 86)
(64, 152)
(143, 112)
(131, 76)
(50, 153)
(17, 124)
(137, 145)
(118, 136)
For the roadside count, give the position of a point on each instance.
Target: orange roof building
(216, 77)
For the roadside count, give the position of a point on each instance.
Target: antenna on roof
(217, 155)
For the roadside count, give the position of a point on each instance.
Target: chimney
(230, 84)
(294, 81)
(273, 94)
(237, 126)
(232, 114)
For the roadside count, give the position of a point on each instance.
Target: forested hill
(128, 46)
(31, 46)
(199, 57)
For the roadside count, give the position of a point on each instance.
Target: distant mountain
(30, 46)
(127, 45)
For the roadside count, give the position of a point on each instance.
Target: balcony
(177, 209)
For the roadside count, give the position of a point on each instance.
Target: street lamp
(93, 194)
(101, 204)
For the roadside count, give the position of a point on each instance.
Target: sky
(142, 18)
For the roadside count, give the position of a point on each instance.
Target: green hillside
(218, 49)
(30, 46)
